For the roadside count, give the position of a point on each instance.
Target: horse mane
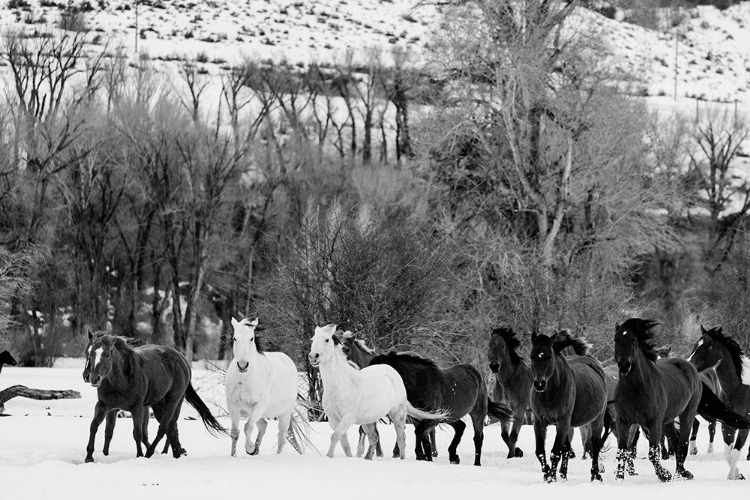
(513, 342)
(564, 339)
(409, 356)
(260, 344)
(127, 354)
(734, 348)
(644, 332)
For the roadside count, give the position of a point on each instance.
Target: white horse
(352, 396)
(259, 385)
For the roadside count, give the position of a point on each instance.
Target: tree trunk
(25, 392)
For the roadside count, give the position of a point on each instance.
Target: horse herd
(560, 385)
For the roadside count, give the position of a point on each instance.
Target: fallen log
(26, 392)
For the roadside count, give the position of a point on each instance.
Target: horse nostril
(494, 367)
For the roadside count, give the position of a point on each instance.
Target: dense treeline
(507, 178)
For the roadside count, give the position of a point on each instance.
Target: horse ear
(234, 322)
(553, 337)
(120, 342)
(533, 337)
(703, 330)
(617, 327)
(91, 335)
(254, 323)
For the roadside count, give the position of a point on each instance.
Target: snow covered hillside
(713, 53)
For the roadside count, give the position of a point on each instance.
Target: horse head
(102, 355)
(542, 359)
(502, 348)
(6, 358)
(322, 344)
(634, 337)
(245, 345)
(87, 354)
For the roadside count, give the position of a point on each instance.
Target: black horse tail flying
(212, 425)
(499, 411)
(712, 408)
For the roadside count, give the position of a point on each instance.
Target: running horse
(716, 349)
(513, 379)
(653, 393)
(568, 392)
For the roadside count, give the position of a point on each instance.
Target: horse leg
(361, 442)
(339, 434)
(562, 435)
(433, 443)
(505, 434)
(137, 413)
(585, 440)
(633, 434)
(694, 436)
(422, 449)
(459, 427)
(596, 438)
(109, 430)
(419, 441)
(171, 408)
(681, 445)
(398, 417)
(625, 448)
(285, 421)
(234, 431)
(711, 435)
(540, 436)
(732, 450)
(513, 450)
(478, 421)
(378, 448)
(252, 419)
(262, 425)
(735, 455)
(654, 452)
(100, 411)
(372, 435)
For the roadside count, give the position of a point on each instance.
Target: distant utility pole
(136, 28)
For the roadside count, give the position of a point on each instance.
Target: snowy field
(42, 447)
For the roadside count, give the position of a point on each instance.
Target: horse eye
(252, 339)
(328, 340)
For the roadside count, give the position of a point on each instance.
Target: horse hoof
(89, 460)
(454, 460)
(519, 453)
(434, 454)
(686, 475)
(596, 477)
(571, 454)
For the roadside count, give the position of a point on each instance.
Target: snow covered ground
(42, 446)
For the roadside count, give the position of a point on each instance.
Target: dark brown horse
(513, 380)
(654, 393)
(135, 378)
(710, 377)
(111, 417)
(568, 392)
(715, 348)
(458, 389)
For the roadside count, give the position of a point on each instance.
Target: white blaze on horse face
(97, 357)
(697, 345)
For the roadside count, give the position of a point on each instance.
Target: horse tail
(713, 408)
(425, 415)
(499, 411)
(212, 425)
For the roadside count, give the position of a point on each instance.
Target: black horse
(710, 377)
(135, 378)
(459, 389)
(569, 392)
(360, 354)
(654, 393)
(715, 348)
(513, 380)
(6, 358)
